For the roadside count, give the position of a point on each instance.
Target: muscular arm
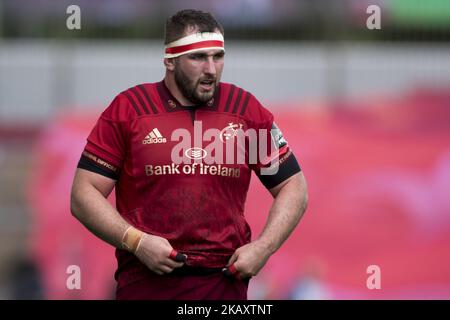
(90, 206)
(290, 202)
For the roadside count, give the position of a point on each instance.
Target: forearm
(90, 206)
(95, 212)
(287, 209)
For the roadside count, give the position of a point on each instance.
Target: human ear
(169, 63)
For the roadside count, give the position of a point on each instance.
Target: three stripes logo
(154, 137)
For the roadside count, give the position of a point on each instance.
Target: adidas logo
(154, 137)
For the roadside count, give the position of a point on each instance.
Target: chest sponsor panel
(175, 145)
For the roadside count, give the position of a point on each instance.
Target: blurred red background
(378, 171)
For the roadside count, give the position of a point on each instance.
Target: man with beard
(179, 228)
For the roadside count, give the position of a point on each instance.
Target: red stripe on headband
(197, 45)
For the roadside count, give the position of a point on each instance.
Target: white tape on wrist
(131, 239)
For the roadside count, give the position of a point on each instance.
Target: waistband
(194, 271)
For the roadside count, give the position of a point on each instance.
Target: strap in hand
(178, 257)
(231, 271)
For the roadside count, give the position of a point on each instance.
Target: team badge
(230, 131)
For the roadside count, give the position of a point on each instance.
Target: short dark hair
(177, 24)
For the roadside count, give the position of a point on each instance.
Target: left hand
(249, 259)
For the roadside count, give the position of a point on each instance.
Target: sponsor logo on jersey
(154, 137)
(277, 136)
(195, 153)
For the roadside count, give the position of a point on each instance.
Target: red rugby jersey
(198, 207)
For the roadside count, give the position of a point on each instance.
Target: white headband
(194, 42)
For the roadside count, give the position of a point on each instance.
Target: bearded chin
(188, 89)
(205, 97)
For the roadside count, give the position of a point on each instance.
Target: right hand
(154, 251)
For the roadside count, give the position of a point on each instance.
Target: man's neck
(175, 91)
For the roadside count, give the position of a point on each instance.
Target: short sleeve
(105, 150)
(276, 161)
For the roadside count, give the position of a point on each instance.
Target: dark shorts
(212, 285)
